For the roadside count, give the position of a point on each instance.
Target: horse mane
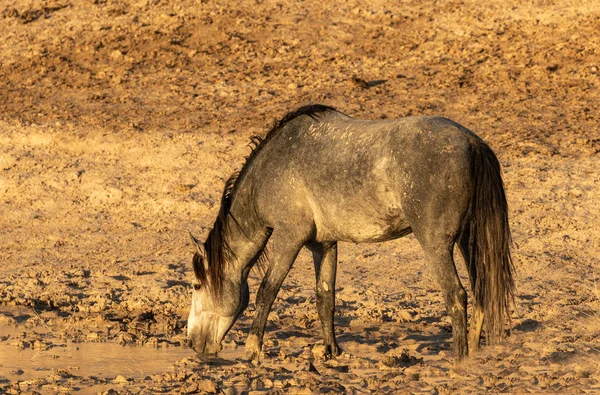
(218, 250)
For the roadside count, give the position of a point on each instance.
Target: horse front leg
(325, 261)
(283, 253)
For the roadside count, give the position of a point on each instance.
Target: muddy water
(87, 359)
(102, 360)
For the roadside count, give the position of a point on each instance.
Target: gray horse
(319, 177)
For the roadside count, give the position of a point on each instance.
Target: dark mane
(217, 248)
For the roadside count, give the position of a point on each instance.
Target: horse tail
(489, 241)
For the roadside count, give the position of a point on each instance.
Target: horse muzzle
(204, 347)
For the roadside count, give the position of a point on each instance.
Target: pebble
(40, 345)
(191, 388)
(120, 380)
(207, 386)
(389, 361)
(93, 336)
(319, 351)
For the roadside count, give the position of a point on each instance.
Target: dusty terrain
(120, 121)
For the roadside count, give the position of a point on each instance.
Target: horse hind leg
(455, 297)
(325, 261)
(477, 315)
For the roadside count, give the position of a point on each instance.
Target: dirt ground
(120, 121)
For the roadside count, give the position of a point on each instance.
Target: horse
(319, 177)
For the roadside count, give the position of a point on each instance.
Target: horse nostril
(190, 343)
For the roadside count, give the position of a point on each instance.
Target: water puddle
(105, 359)
(89, 359)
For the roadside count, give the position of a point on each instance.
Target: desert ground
(121, 120)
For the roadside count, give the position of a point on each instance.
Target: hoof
(252, 349)
(326, 352)
(334, 350)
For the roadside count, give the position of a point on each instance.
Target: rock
(21, 344)
(120, 380)
(279, 384)
(208, 386)
(93, 336)
(389, 362)
(40, 345)
(191, 388)
(267, 383)
(403, 316)
(116, 55)
(319, 351)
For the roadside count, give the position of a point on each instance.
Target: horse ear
(199, 262)
(199, 246)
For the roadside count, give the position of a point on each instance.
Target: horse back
(363, 181)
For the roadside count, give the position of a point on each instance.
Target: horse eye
(197, 287)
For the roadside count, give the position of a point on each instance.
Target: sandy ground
(120, 121)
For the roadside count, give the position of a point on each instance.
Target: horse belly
(363, 226)
(363, 211)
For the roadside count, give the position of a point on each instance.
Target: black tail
(489, 241)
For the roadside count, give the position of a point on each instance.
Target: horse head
(217, 301)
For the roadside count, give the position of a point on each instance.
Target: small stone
(413, 377)
(207, 386)
(40, 345)
(116, 55)
(120, 380)
(278, 383)
(389, 361)
(21, 344)
(576, 193)
(319, 351)
(267, 383)
(191, 389)
(93, 336)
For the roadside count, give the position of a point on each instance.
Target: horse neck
(246, 237)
